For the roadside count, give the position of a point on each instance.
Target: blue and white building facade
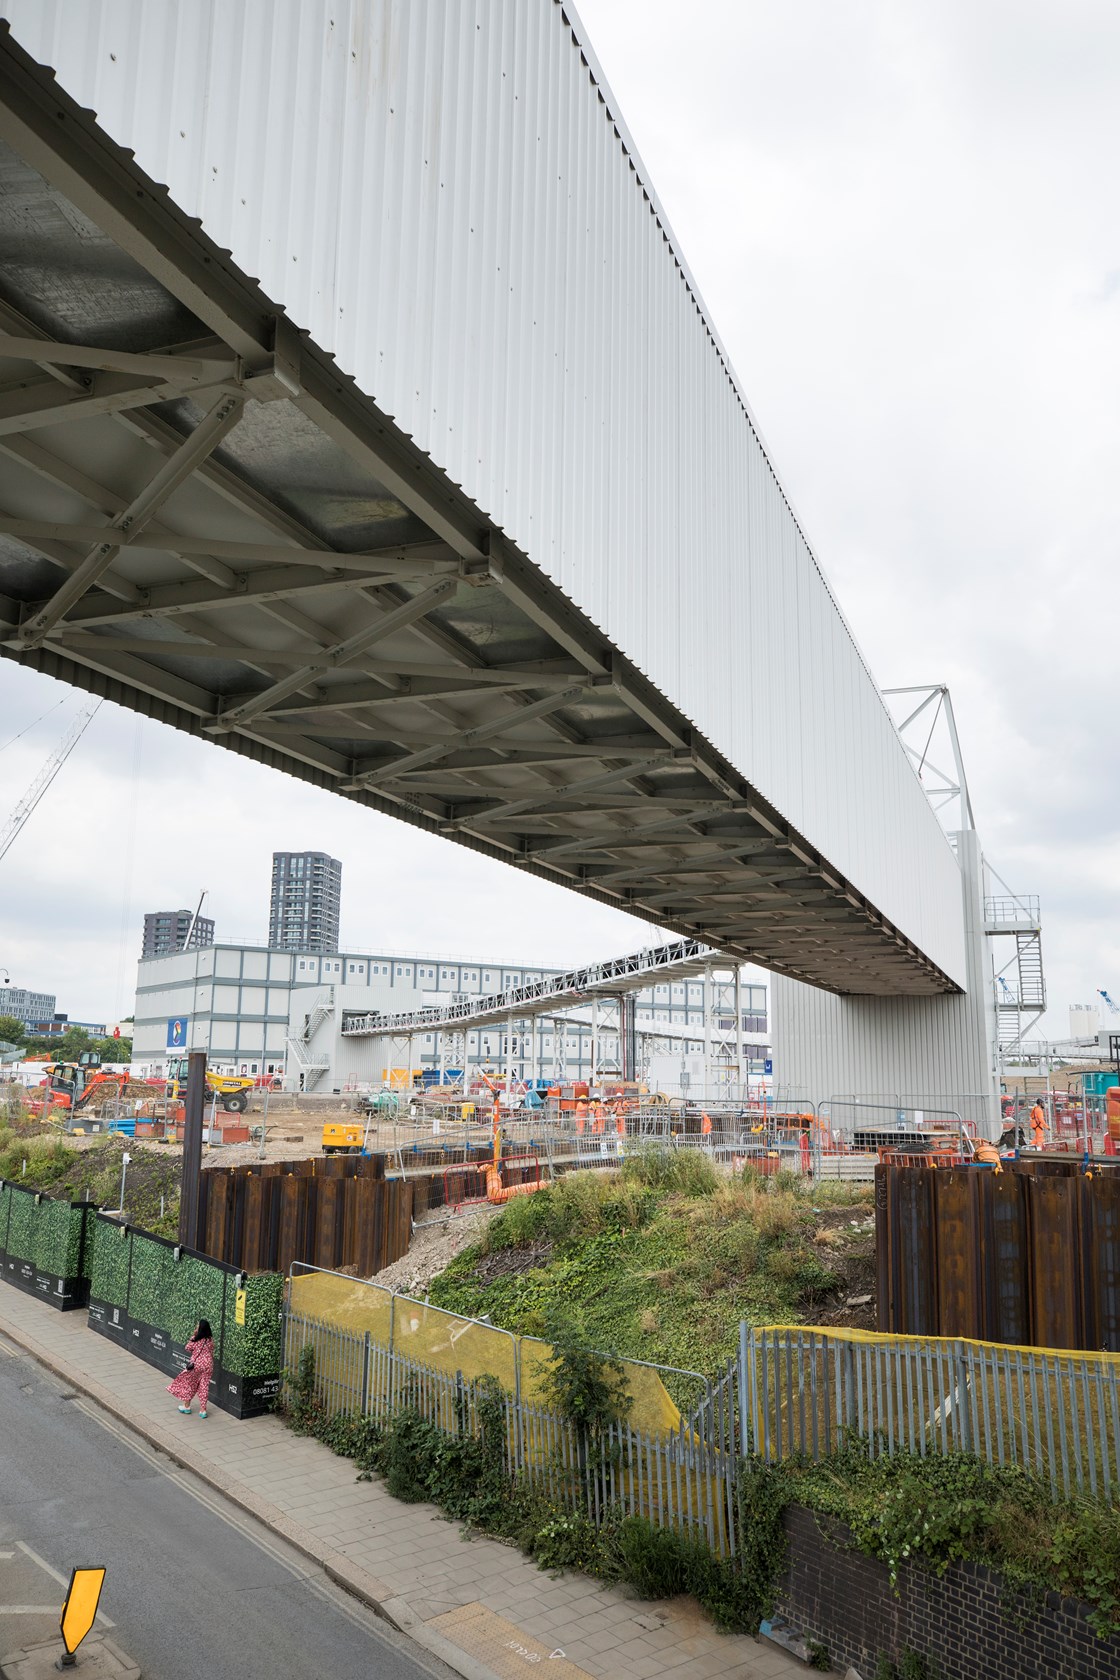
(248, 1007)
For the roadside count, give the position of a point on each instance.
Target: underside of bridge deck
(203, 519)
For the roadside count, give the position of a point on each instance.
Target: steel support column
(189, 1192)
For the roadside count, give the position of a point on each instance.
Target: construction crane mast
(46, 776)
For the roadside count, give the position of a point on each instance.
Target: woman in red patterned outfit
(197, 1376)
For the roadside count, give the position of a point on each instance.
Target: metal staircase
(1021, 982)
(311, 1064)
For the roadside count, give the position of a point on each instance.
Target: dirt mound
(847, 1247)
(433, 1248)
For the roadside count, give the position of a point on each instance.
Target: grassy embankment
(48, 1163)
(663, 1258)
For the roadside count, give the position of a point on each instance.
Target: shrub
(566, 1541)
(687, 1172)
(585, 1386)
(304, 1411)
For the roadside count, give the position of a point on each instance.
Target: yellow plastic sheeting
(344, 1302)
(446, 1342)
(653, 1410)
(1049, 1410)
(886, 1339)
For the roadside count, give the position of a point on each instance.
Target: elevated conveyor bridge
(684, 959)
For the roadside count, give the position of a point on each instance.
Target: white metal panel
(927, 1052)
(441, 195)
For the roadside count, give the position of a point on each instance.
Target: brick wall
(956, 1621)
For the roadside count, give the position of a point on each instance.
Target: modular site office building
(249, 1007)
(452, 503)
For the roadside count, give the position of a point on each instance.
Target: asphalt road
(193, 1586)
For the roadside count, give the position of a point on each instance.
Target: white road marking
(43, 1564)
(189, 1485)
(61, 1579)
(336, 1597)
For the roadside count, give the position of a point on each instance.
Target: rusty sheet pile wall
(341, 1212)
(338, 1211)
(1029, 1255)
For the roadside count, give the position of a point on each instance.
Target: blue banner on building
(177, 1032)
(767, 1066)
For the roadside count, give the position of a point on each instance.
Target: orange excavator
(74, 1085)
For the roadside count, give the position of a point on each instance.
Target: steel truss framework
(203, 519)
(616, 978)
(928, 731)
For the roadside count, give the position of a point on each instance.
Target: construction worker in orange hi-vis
(581, 1116)
(988, 1154)
(1038, 1125)
(705, 1123)
(597, 1117)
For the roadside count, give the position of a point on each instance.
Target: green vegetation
(94, 1174)
(156, 1288)
(67, 1046)
(943, 1509)
(45, 1233)
(662, 1259)
(170, 1290)
(464, 1474)
(109, 1253)
(904, 1510)
(252, 1349)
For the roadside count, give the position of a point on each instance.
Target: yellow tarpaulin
(445, 1341)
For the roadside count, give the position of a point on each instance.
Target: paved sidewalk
(482, 1607)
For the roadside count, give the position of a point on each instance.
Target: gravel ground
(434, 1246)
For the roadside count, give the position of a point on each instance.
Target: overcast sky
(903, 220)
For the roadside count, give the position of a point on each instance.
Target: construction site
(670, 1266)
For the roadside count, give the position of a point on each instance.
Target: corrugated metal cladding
(925, 1052)
(438, 193)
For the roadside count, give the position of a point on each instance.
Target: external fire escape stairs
(1020, 984)
(311, 1064)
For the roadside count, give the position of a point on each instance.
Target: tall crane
(46, 776)
(1112, 1008)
